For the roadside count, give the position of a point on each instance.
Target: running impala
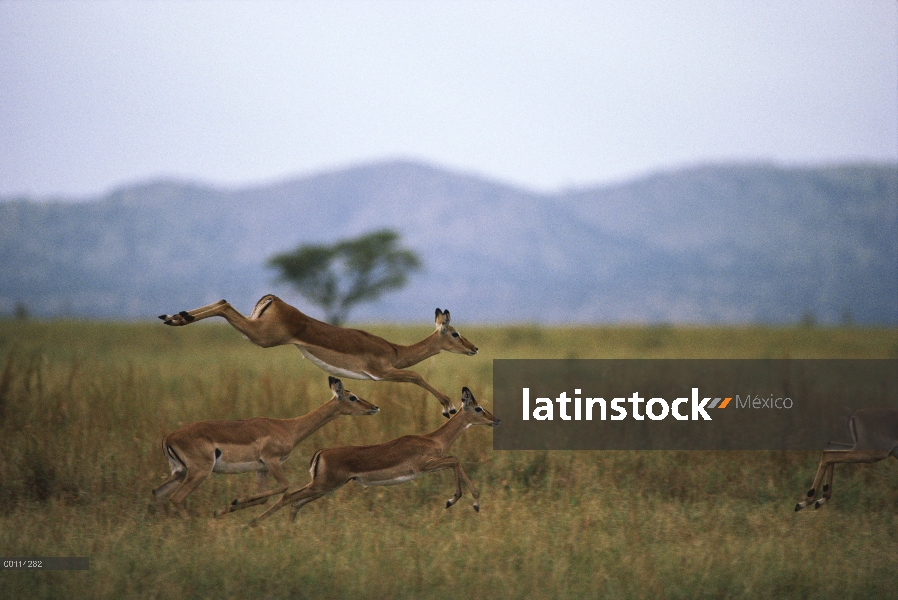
(390, 463)
(874, 432)
(258, 445)
(340, 351)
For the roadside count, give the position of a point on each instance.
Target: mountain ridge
(740, 243)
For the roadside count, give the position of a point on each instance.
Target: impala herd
(260, 444)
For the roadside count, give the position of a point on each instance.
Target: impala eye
(455, 334)
(478, 409)
(353, 398)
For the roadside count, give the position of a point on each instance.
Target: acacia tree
(349, 272)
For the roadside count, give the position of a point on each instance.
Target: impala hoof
(477, 508)
(452, 411)
(798, 507)
(448, 503)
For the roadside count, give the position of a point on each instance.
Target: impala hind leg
(189, 316)
(299, 497)
(311, 497)
(274, 467)
(258, 328)
(161, 493)
(194, 477)
(178, 473)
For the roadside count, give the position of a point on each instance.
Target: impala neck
(302, 427)
(449, 431)
(411, 355)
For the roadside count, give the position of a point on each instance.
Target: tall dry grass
(84, 406)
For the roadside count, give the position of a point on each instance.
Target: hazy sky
(539, 94)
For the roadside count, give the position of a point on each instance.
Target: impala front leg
(474, 491)
(406, 376)
(448, 462)
(827, 486)
(451, 462)
(827, 467)
(831, 457)
(812, 493)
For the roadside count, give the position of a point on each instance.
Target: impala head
(350, 404)
(451, 340)
(476, 414)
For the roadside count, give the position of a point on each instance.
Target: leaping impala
(260, 445)
(390, 463)
(875, 435)
(339, 351)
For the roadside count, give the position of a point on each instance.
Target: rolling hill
(712, 244)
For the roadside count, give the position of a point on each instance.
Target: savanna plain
(84, 407)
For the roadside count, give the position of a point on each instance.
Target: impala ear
(467, 398)
(335, 384)
(440, 317)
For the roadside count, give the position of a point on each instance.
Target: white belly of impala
(221, 466)
(337, 371)
(393, 481)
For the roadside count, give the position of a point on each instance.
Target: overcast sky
(544, 95)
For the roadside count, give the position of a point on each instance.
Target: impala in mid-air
(874, 432)
(390, 463)
(340, 351)
(250, 445)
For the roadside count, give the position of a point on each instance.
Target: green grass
(84, 406)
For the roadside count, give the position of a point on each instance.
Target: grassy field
(84, 406)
